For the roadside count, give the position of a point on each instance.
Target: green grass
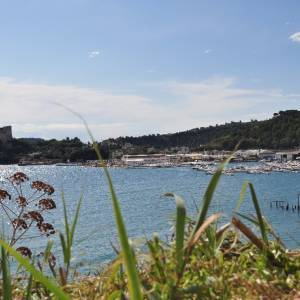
(37, 276)
(180, 231)
(67, 239)
(6, 278)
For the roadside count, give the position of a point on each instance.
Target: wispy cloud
(93, 54)
(295, 37)
(30, 107)
(207, 51)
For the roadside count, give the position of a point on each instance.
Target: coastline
(209, 167)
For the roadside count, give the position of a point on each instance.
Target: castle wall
(5, 134)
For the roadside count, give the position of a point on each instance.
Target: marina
(257, 168)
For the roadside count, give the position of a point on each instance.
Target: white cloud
(207, 51)
(93, 54)
(30, 107)
(295, 37)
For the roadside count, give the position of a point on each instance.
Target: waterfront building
(245, 155)
(266, 154)
(288, 155)
(142, 159)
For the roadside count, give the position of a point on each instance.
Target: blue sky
(138, 67)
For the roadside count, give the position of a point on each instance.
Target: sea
(145, 208)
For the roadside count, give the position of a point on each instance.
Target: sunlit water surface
(145, 208)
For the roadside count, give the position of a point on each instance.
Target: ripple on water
(144, 207)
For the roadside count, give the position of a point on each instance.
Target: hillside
(282, 131)
(53, 150)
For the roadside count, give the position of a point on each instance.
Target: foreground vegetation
(201, 261)
(234, 270)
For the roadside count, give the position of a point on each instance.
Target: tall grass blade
(248, 233)
(268, 227)
(67, 231)
(127, 253)
(180, 224)
(222, 230)
(249, 219)
(66, 240)
(38, 276)
(6, 279)
(64, 247)
(242, 195)
(211, 219)
(261, 223)
(29, 288)
(274, 233)
(209, 195)
(259, 214)
(75, 220)
(129, 260)
(48, 249)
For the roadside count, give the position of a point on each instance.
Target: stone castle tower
(5, 134)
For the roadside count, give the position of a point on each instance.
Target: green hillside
(282, 131)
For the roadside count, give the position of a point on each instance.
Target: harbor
(258, 168)
(258, 164)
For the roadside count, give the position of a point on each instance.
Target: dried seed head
(4, 194)
(34, 216)
(24, 251)
(21, 201)
(19, 224)
(46, 204)
(42, 186)
(18, 178)
(46, 228)
(51, 258)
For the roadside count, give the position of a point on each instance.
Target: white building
(142, 159)
(267, 154)
(288, 155)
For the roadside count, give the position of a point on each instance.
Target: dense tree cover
(72, 150)
(282, 131)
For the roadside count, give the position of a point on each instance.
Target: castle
(5, 134)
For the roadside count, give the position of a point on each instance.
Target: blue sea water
(145, 208)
